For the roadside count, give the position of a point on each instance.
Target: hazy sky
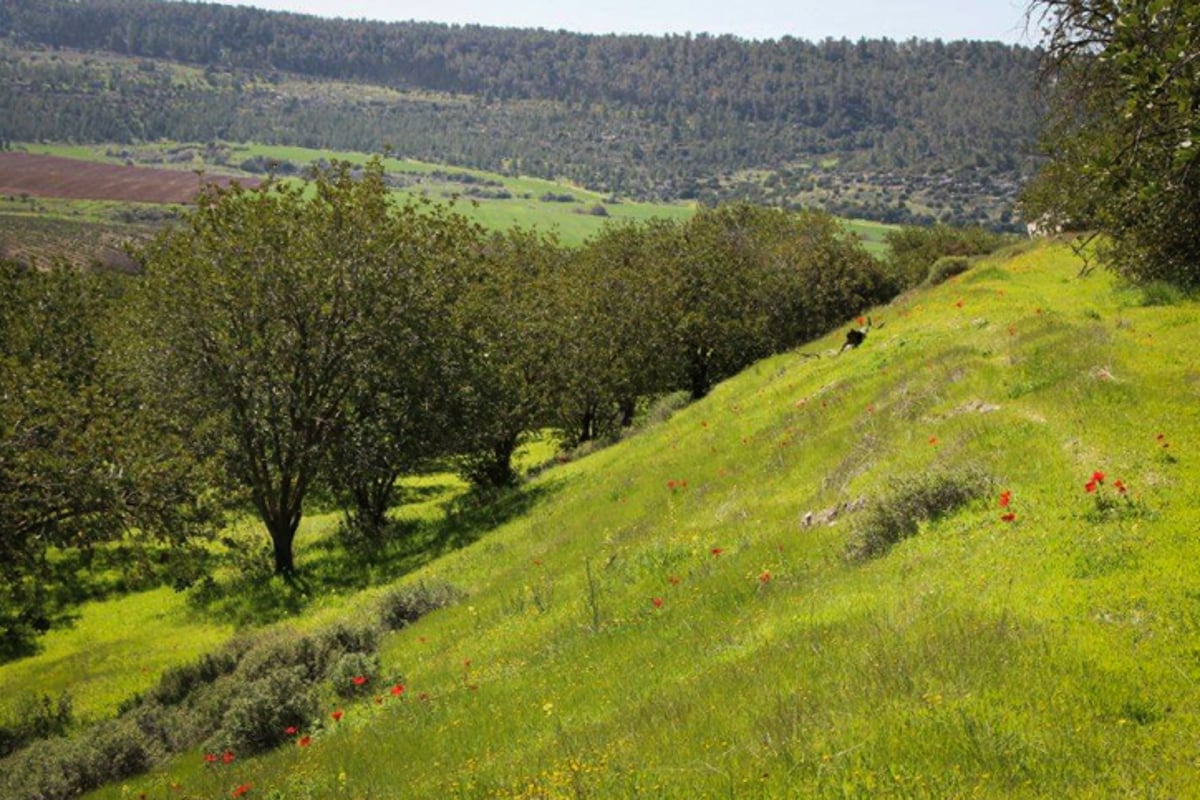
(1000, 20)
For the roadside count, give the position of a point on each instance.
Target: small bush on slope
(908, 502)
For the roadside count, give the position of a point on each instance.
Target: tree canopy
(1124, 138)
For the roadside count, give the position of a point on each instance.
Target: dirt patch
(54, 176)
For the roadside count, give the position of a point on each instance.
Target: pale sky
(993, 20)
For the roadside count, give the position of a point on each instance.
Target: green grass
(115, 649)
(1053, 655)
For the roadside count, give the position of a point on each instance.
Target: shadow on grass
(339, 565)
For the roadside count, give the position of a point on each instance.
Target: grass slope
(663, 623)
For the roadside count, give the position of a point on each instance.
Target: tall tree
(1124, 139)
(405, 407)
(508, 320)
(613, 330)
(253, 316)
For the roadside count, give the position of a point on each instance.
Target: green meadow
(691, 611)
(574, 220)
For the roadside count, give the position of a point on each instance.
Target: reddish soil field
(52, 176)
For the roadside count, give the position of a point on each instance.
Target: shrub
(36, 717)
(946, 267)
(263, 709)
(62, 768)
(280, 649)
(342, 638)
(402, 606)
(178, 683)
(661, 410)
(352, 674)
(913, 251)
(910, 501)
(242, 699)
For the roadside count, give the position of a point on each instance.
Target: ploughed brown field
(53, 176)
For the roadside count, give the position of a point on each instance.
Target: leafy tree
(719, 317)
(404, 407)
(508, 322)
(252, 317)
(614, 339)
(817, 275)
(1124, 138)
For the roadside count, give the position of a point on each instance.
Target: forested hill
(673, 116)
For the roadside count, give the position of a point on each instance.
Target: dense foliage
(79, 467)
(1125, 135)
(675, 117)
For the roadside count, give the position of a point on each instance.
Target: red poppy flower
(291, 730)
(337, 716)
(397, 690)
(1098, 476)
(1005, 499)
(764, 577)
(1090, 486)
(228, 757)
(671, 485)
(716, 551)
(304, 741)
(658, 601)
(933, 440)
(210, 758)
(241, 790)
(1120, 487)
(1161, 436)
(359, 680)
(1009, 517)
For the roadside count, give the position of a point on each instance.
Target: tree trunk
(698, 377)
(587, 426)
(628, 409)
(372, 499)
(283, 535)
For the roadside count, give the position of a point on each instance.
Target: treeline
(647, 116)
(294, 339)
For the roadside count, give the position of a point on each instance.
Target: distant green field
(574, 221)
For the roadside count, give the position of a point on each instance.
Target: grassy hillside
(677, 616)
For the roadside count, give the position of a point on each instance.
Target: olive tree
(252, 318)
